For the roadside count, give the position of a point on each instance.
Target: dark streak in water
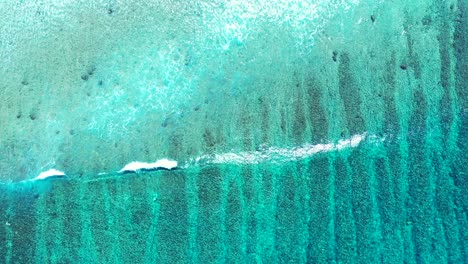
(349, 93)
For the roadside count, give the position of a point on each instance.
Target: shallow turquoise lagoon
(303, 131)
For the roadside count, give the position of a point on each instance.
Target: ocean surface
(303, 131)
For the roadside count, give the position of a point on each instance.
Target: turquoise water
(304, 131)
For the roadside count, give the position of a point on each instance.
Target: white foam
(136, 166)
(50, 173)
(276, 154)
(272, 154)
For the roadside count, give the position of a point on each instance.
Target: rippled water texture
(303, 131)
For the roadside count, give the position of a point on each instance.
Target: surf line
(278, 155)
(275, 155)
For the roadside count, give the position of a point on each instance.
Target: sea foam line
(275, 155)
(278, 155)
